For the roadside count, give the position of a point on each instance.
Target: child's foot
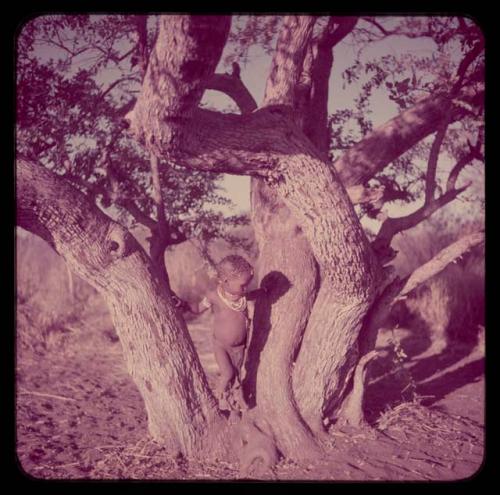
(238, 399)
(224, 402)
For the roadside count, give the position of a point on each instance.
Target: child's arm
(193, 307)
(254, 294)
(200, 307)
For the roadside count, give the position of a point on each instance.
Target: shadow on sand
(430, 376)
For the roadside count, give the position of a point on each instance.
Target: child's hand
(180, 303)
(267, 284)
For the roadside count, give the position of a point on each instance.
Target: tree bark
(286, 264)
(348, 274)
(185, 55)
(157, 348)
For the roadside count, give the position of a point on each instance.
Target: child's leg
(236, 398)
(226, 368)
(236, 354)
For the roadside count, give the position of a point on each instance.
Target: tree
(330, 288)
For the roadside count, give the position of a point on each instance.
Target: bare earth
(79, 416)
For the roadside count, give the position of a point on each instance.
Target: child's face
(237, 284)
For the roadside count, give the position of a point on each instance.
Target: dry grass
(451, 304)
(414, 420)
(50, 300)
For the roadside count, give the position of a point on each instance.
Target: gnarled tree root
(351, 413)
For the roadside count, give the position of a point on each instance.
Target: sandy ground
(79, 415)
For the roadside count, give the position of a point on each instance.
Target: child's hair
(233, 265)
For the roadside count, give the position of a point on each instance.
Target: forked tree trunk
(159, 353)
(347, 279)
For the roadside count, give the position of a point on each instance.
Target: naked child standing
(231, 324)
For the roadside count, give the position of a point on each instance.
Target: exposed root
(351, 413)
(254, 445)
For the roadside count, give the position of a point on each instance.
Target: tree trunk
(348, 276)
(157, 348)
(285, 263)
(328, 355)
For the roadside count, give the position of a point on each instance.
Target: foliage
(75, 76)
(404, 79)
(250, 30)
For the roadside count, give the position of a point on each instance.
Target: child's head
(234, 273)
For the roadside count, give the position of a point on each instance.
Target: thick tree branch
(312, 88)
(386, 143)
(185, 55)
(389, 141)
(293, 40)
(236, 144)
(392, 226)
(48, 206)
(235, 89)
(399, 288)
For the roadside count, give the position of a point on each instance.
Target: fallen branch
(439, 262)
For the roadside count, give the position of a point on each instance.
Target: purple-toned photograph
(250, 247)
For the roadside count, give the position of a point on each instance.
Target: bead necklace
(238, 305)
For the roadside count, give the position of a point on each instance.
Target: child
(230, 323)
